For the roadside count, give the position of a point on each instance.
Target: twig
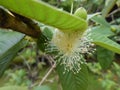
(115, 11)
(47, 74)
(9, 20)
(108, 7)
(71, 11)
(28, 66)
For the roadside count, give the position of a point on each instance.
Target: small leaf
(105, 57)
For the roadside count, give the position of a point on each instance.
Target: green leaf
(42, 42)
(108, 6)
(105, 57)
(71, 81)
(10, 44)
(107, 43)
(8, 39)
(46, 14)
(118, 3)
(99, 19)
(100, 34)
(90, 16)
(13, 88)
(48, 32)
(102, 30)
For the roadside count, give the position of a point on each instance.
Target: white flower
(70, 45)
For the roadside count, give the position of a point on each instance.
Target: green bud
(113, 29)
(81, 12)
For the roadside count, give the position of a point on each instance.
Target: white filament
(70, 46)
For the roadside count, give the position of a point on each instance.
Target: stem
(18, 23)
(27, 64)
(113, 12)
(47, 74)
(71, 11)
(108, 7)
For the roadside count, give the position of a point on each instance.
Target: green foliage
(8, 39)
(48, 32)
(42, 13)
(10, 43)
(81, 12)
(107, 80)
(23, 88)
(72, 81)
(17, 78)
(105, 57)
(94, 83)
(42, 42)
(100, 20)
(13, 88)
(108, 6)
(42, 88)
(118, 3)
(100, 35)
(45, 37)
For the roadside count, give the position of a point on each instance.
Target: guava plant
(70, 38)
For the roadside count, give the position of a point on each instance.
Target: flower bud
(81, 12)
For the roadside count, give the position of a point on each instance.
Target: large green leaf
(8, 39)
(100, 35)
(10, 44)
(105, 57)
(71, 81)
(45, 13)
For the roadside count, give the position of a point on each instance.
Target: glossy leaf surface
(10, 43)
